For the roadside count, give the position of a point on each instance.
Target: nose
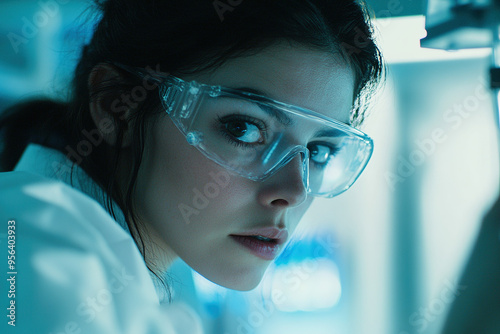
(288, 186)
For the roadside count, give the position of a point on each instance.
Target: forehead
(308, 78)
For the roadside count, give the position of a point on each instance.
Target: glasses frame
(179, 98)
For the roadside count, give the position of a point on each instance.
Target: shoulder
(70, 257)
(50, 210)
(44, 204)
(20, 187)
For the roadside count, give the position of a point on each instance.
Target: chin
(244, 285)
(241, 281)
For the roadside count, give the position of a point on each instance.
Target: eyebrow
(270, 110)
(330, 132)
(285, 119)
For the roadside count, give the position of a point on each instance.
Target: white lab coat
(78, 270)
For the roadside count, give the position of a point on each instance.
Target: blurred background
(383, 257)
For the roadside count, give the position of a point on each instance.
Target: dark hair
(181, 37)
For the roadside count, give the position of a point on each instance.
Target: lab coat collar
(54, 164)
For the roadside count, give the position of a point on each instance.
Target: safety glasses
(255, 136)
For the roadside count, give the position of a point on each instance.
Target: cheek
(169, 172)
(181, 192)
(192, 205)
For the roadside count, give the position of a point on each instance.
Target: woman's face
(208, 232)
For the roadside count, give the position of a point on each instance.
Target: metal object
(466, 24)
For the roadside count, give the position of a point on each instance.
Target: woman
(204, 129)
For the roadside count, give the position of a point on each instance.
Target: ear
(108, 109)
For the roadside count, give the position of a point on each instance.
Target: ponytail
(38, 121)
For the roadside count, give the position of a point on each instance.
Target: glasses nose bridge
(304, 155)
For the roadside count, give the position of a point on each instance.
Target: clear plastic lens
(255, 136)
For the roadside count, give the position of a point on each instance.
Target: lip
(280, 235)
(267, 250)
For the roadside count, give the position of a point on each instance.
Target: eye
(243, 129)
(320, 153)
